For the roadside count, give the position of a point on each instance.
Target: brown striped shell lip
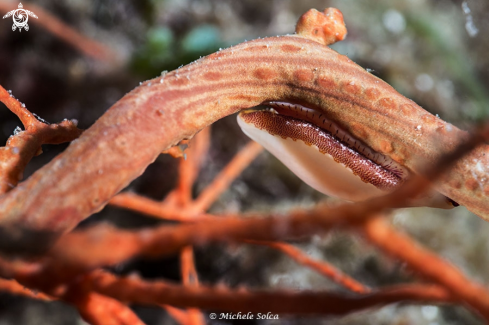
(372, 167)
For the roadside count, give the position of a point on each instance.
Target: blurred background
(434, 52)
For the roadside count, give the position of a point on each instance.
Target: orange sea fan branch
(24, 145)
(321, 267)
(427, 264)
(284, 301)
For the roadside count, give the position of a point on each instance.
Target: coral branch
(24, 145)
(97, 309)
(13, 287)
(177, 314)
(81, 249)
(27, 118)
(170, 210)
(190, 166)
(284, 302)
(427, 264)
(93, 307)
(189, 273)
(322, 267)
(189, 169)
(232, 170)
(155, 209)
(190, 279)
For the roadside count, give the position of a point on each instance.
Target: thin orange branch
(15, 288)
(321, 267)
(283, 301)
(169, 210)
(24, 145)
(427, 264)
(93, 307)
(156, 209)
(222, 181)
(177, 314)
(189, 167)
(97, 309)
(82, 249)
(27, 118)
(189, 273)
(135, 290)
(182, 197)
(190, 279)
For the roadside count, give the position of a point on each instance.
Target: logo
(20, 17)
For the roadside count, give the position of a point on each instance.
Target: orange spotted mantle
(311, 135)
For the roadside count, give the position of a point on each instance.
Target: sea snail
(325, 156)
(316, 148)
